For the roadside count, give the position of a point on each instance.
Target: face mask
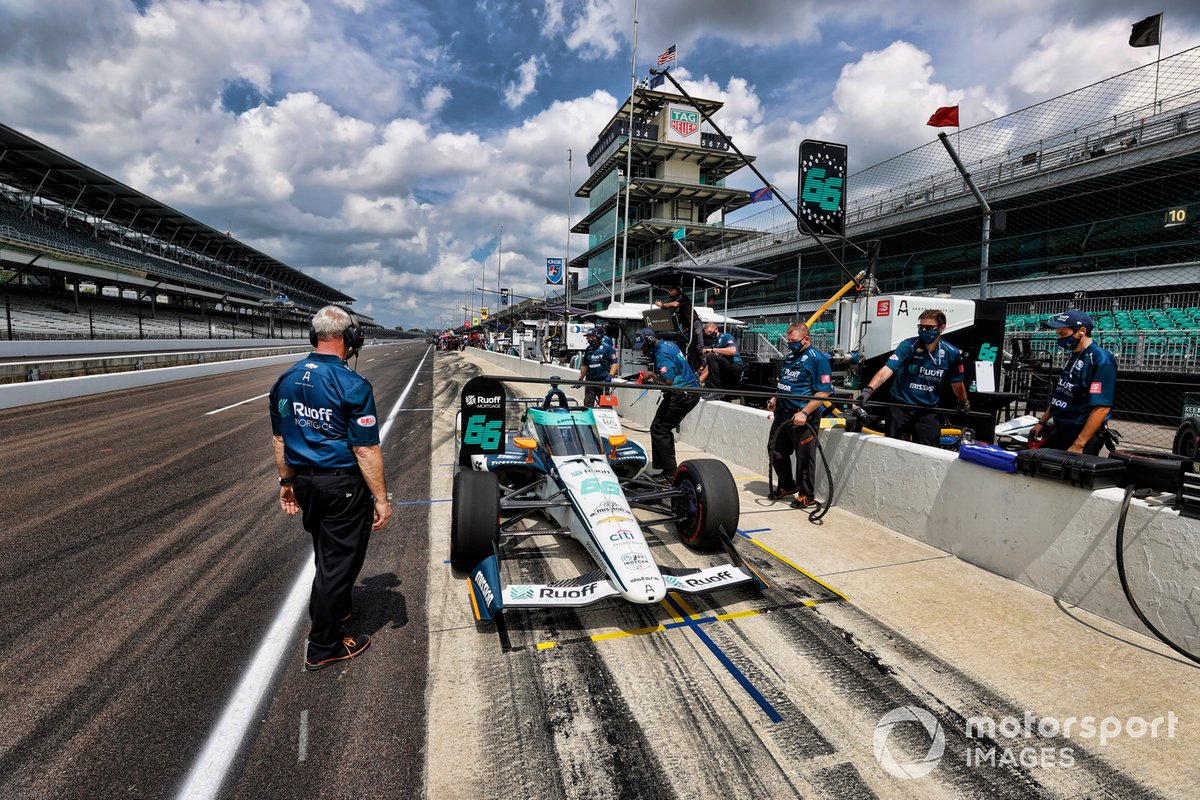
(797, 347)
(1068, 343)
(927, 335)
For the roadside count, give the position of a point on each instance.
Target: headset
(354, 336)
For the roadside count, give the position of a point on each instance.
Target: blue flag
(762, 194)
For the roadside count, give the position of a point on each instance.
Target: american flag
(667, 56)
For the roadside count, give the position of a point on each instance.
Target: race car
(573, 467)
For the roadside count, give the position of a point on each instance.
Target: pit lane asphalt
(144, 557)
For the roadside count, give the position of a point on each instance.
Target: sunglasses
(927, 327)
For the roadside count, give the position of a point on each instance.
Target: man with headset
(330, 464)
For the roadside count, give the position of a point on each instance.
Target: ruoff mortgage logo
(685, 123)
(904, 768)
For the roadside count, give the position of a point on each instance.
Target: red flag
(944, 117)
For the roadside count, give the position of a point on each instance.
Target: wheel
(1187, 438)
(474, 519)
(708, 503)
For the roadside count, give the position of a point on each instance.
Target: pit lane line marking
(235, 405)
(302, 745)
(746, 535)
(212, 766)
(694, 624)
(677, 622)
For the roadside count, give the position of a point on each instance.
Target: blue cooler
(989, 455)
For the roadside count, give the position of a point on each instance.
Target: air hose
(1129, 490)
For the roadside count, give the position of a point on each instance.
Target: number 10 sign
(822, 188)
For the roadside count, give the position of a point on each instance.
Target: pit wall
(1050, 536)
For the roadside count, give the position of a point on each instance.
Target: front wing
(489, 597)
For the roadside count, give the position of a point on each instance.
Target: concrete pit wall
(1050, 536)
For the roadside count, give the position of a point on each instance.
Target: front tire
(474, 519)
(709, 502)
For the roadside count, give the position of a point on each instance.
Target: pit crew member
(599, 364)
(668, 366)
(1081, 404)
(796, 423)
(921, 364)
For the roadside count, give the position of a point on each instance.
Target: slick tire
(1187, 440)
(707, 503)
(474, 519)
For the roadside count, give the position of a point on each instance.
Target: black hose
(818, 513)
(1125, 581)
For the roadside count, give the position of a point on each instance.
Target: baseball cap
(596, 330)
(1070, 319)
(645, 338)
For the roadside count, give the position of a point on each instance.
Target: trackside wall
(1052, 537)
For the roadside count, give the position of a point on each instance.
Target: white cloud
(516, 91)
(435, 99)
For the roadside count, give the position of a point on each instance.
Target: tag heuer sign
(684, 122)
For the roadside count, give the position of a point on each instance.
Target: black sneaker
(780, 494)
(664, 475)
(804, 501)
(350, 647)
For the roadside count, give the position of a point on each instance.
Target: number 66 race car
(573, 467)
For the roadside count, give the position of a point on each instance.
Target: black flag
(1146, 32)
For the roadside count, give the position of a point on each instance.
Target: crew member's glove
(865, 397)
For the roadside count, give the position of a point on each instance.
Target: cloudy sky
(382, 145)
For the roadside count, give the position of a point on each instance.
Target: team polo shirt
(599, 359)
(1088, 380)
(672, 366)
(727, 340)
(322, 408)
(918, 372)
(805, 373)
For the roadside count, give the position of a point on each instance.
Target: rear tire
(709, 503)
(474, 519)
(1187, 440)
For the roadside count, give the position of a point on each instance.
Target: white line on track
(235, 405)
(302, 746)
(212, 766)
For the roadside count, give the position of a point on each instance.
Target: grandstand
(65, 228)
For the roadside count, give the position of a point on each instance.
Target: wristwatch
(287, 481)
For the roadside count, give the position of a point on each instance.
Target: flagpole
(1158, 59)
(629, 150)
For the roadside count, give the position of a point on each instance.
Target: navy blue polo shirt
(727, 340)
(671, 366)
(919, 372)
(599, 358)
(805, 373)
(1088, 380)
(322, 408)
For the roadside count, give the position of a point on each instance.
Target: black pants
(590, 393)
(673, 407)
(1061, 437)
(790, 438)
(921, 426)
(722, 372)
(338, 512)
